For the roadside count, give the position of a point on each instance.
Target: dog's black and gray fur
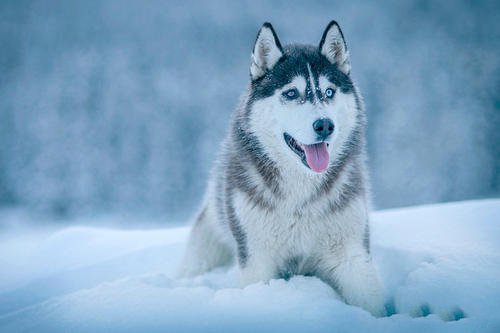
(271, 204)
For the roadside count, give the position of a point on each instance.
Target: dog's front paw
(376, 307)
(372, 302)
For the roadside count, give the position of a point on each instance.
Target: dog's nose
(323, 127)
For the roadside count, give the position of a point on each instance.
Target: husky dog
(288, 193)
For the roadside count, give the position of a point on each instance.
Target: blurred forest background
(119, 106)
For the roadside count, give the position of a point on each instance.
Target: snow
(440, 265)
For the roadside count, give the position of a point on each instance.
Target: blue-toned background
(119, 106)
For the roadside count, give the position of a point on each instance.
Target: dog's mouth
(314, 156)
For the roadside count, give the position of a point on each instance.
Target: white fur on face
(298, 82)
(342, 109)
(275, 115)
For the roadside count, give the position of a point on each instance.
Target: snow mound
(440, 265)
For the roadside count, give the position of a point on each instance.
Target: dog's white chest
(282, 229)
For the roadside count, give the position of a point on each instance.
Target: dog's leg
(205, 250)
(258, 268)
(351, 273)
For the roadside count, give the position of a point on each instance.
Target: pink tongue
(317, 156)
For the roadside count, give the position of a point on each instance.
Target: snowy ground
(440, 265)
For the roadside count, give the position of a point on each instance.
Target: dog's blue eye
(329, 92)
(291, 94)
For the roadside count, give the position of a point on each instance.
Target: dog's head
(302, 105)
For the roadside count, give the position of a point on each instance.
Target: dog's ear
(266, 52)
(334, 48)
